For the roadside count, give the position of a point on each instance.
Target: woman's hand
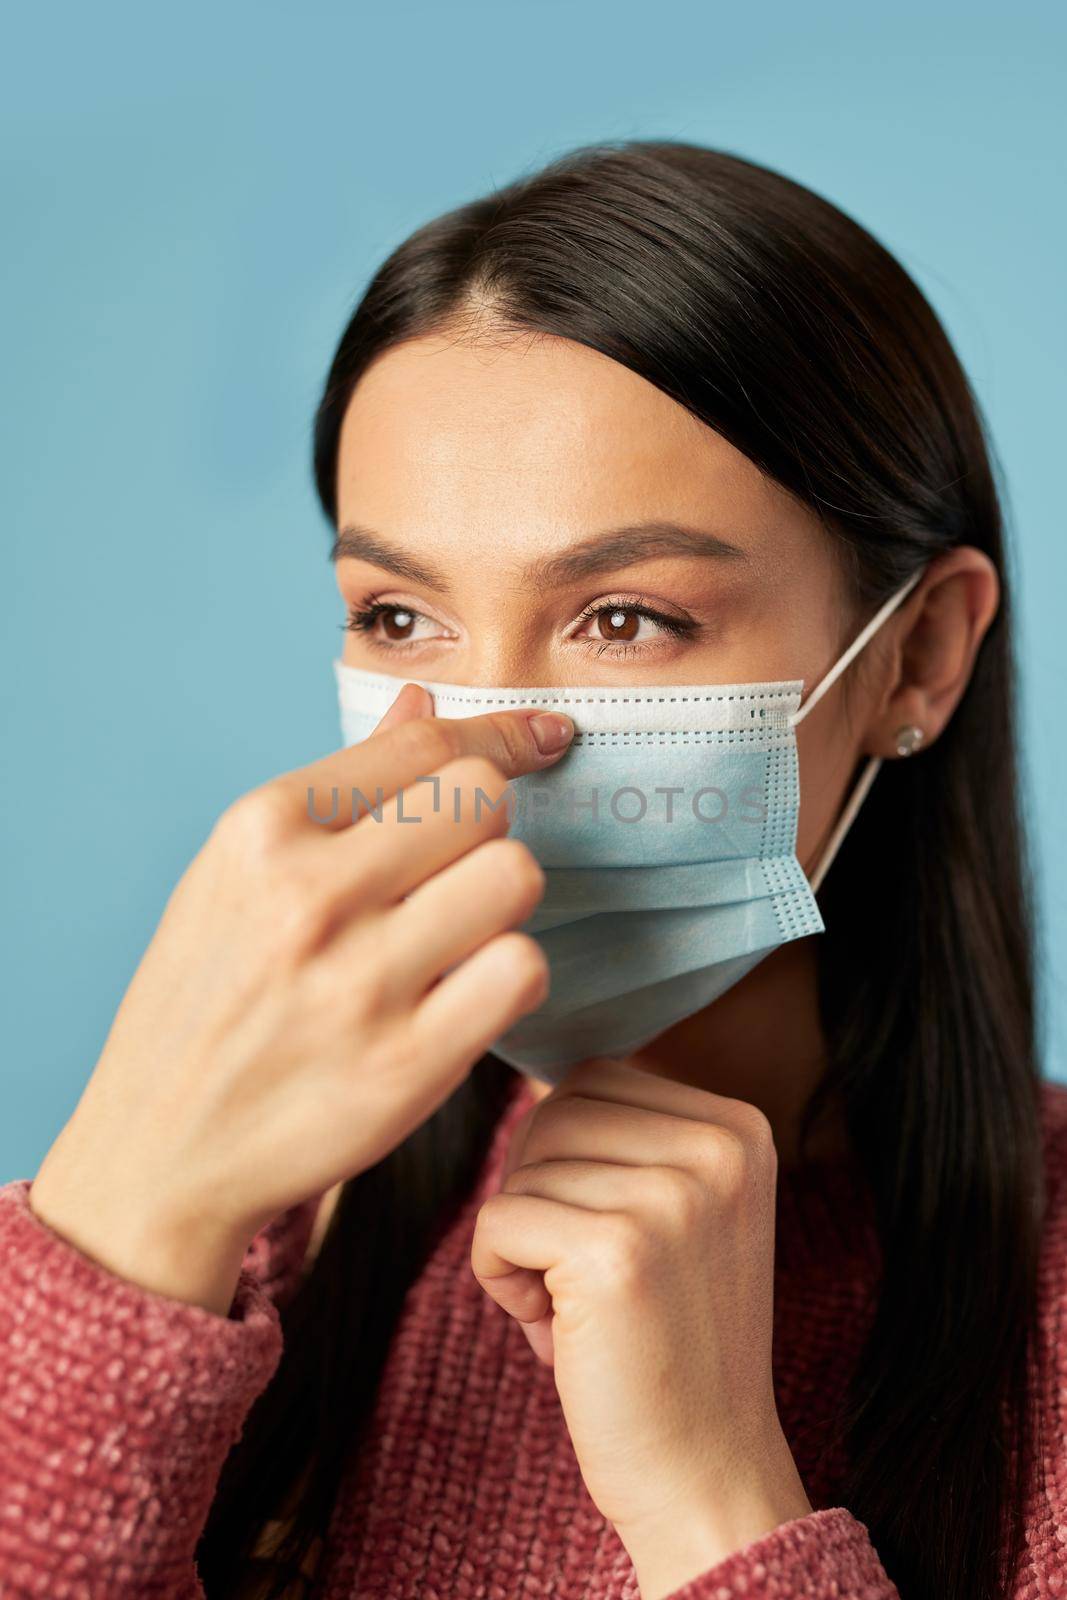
(314, 991)
(633, 1237)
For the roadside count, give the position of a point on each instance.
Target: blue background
(193, 197)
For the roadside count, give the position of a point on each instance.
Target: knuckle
(620, 1249)
(256, 823)
(482, 791)
(476, 771)
(426, 743)
(680, 1197)
(514, 868)
(730, 1161)
(488, 1215)
(368, 989)
(300, 916)
(510, 733)
(524, 965)
(745, 1152)
(325, 992)
(759, 1136)
(517, 1179)
(753, 1123)
(391, 1057)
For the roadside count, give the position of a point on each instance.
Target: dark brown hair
(780, 322)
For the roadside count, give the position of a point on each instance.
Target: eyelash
(362, 618)
(677, 627)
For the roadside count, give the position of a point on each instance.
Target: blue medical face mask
(667, 833)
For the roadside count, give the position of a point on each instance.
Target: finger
(539, 1338)
(425, 827)
(586, 1185)
(572, 1127)
(340, 788)
(493, 887)
(520, 1292)
(656, 1194)
(624, 1082)
(527, 1232)
(412, 701)
(464, 1014)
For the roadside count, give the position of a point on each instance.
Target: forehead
(532, 440)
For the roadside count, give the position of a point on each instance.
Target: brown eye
(397, 623)
(618, 624)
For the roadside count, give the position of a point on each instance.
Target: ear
(933, 647)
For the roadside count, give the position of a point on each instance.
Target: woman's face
(529, 512)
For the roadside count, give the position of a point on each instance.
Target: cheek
(829, 763)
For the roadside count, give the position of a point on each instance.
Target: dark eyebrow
(363, 544)
(622, 547)
(613, 547)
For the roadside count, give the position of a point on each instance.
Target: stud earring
(909, 738)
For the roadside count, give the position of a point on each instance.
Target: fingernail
(551, 732)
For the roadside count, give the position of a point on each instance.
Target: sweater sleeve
(118, 1406)
(826, 1555)
(829, 1552)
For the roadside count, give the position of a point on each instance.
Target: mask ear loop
(870, 770)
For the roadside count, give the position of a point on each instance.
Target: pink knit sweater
(118, 1407)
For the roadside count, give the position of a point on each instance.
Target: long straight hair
(784, 325)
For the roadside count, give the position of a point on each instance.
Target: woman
(314, 1292)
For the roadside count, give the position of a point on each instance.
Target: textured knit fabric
(118, 1407)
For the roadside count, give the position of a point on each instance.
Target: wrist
(688, 1540)
(131, 1230)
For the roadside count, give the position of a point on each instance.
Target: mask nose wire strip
(855, 647)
